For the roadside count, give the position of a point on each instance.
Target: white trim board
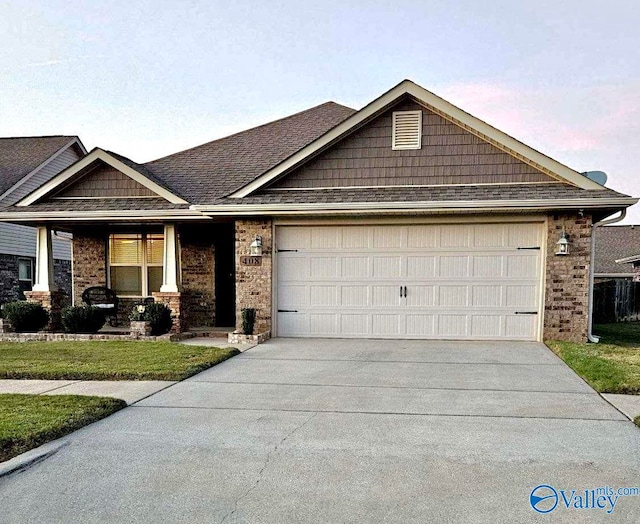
(443, 108)
(99, 154)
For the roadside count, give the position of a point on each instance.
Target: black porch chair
(104, 299)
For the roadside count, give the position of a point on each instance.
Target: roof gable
(449, 155)
(102, 174)
(21, 157)
(437, 106)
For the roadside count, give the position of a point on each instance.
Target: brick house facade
(406, 219)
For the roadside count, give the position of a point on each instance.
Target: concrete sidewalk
(627, 404)
(130, 391)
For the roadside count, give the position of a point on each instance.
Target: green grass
(613, 365)
(28, 421)
(107, 360)
(636, 421)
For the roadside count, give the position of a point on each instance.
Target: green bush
(82, 319)
(157, 314)
(248, 320)
(26, 317)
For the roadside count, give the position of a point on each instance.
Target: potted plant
(140, 326)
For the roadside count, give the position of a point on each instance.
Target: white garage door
(454, 281)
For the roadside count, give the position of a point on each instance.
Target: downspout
(623, 213)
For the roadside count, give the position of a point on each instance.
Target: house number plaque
(251, 261)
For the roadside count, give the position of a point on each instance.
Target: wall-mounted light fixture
(563, 244)
(256, 247)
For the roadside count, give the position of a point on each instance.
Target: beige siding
(449, 155)
(105, 182)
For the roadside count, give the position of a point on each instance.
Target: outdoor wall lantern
(256, 247)
(563, 244)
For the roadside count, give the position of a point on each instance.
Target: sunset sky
(148, 78)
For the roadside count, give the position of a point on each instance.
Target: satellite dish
(599, 177)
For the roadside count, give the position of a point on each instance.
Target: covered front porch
(193, 268)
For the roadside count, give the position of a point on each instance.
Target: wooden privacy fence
(616, 301)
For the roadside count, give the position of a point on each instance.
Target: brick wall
(567, 279)
(197, 257)
(89, 262)
(9, 287)
(253, 283)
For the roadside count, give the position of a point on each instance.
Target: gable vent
(407, 130)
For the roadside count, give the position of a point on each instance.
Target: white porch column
(44, 261)
(171, 261)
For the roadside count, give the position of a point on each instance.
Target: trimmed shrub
(248, 320)
(157, 314)
(26, 317)
(82, 319)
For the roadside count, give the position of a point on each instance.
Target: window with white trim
(25, 274)
(407, 130)
(135, 263)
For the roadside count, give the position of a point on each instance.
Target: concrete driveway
(345, 431)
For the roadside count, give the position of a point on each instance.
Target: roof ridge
(329, 102)
(37, 136)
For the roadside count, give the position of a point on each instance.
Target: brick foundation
(567, 279)
(177, 303)
(53, 302)
(253, 283)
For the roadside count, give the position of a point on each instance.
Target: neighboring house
(614, 243)
(634, 262)
(406, 219)
(25, 164)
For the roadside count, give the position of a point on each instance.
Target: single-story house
(408, 218)
(25, 164)
(614, 243)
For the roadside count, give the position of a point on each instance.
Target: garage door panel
(489, 266)
(461, 281)
(354, 324)
(323, 296)
(386, 296)
(422, 237)
(386, 324)
(354, 296)
(451, 266)
(420, 266)
(387, 267)
(486, 326)
(355, 267)
(486, 296)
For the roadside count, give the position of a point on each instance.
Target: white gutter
(623, 213)
(381, 207)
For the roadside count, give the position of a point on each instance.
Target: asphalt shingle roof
(215, 169)
(21, 155)
(424, 194)
(614, 243)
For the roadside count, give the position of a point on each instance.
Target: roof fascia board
(155, 214)
(613, 275)
(99, 154)
(429, 206)
(445, 109)
(74, 141)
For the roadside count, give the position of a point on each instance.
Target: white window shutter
(407, 130)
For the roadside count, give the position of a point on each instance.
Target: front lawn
(28, 421)
(107, 360)
(613, 365)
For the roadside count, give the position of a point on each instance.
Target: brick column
(177, 303)
(253, 283)
(567, 284)
(53, 302)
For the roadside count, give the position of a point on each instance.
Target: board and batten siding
(104, 182)
(21, 241)
(448, 155)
